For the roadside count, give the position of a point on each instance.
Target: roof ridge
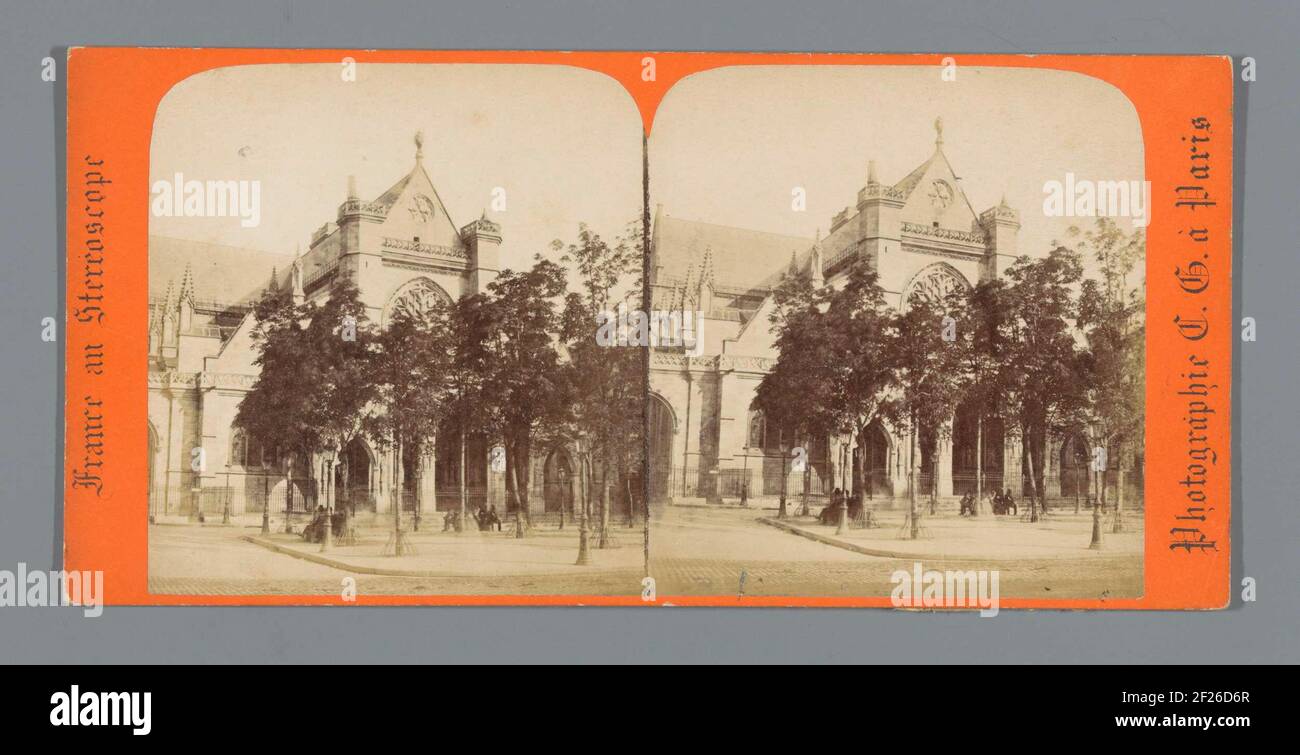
(736, 228)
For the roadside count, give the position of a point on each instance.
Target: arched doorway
(1074, 469)
(447, 486)
(660, 429)
(970, 436)
(153, 483)
(557, 479)
(352, 477)
(875, 445)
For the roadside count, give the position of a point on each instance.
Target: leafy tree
(1110, 315)
(411, 375)
(337, 376)
(470, 359)
(798, 396)
(607, 382)
(978, 358)
(312, 389)
(927, 383)
(525, 387)
(276, 411)
(835, 366)
(1042, 377)
(866, 337)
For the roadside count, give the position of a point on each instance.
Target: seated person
(492, 519)
(830, 514)
(312, 532)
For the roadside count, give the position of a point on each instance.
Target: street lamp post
(288, 497)
(1096, 519)
(225, 506)
(584, 532)
(744, 479)
(784, 453)
(266, 503)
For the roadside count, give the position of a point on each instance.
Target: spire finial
(871, 172)
(419, 146)
(938, 131)
(187, 284)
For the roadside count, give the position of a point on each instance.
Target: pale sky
(729, 145)
(564, 143)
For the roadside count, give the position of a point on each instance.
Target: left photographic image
(372, 296)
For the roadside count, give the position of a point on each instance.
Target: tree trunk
(861, 483)
(327, 540)
(781, 511)
(584, 531)
(915, 530)
(1033, 487)
(398, 490)
(512, 479)
(464, 489)
(603, 542)
(1096, 520)
(1119, 492)
(631, 501)
(524, 480)
(345, 534)
(288, 497)
(433, 478)
(934, 480)
(979, 458)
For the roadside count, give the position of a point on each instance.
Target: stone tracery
(934, 284)
(416, 298)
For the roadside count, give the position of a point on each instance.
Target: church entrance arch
(661, 428)
(557, 482)
(352, 477)
(1074, 466)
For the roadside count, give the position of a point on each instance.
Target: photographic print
(366, 357)
(908, 351)
(656, 329)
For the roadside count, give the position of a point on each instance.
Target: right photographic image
(908, 335)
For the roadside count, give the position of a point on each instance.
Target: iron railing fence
(726, 485)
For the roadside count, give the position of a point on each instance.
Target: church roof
(390, 197)
(913, 179)
(217, 274)
(742, 259)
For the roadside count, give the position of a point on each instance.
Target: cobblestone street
(747, 557)
(695, 551)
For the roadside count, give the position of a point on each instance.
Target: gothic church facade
(924, 238)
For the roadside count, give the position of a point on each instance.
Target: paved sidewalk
(985, 538)
(468, 554)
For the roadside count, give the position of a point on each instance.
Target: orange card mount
(280, 262)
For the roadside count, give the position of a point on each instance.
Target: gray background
(1265, 523)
